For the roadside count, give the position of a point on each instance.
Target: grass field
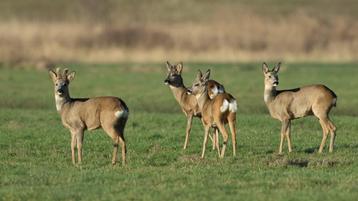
(35, 161)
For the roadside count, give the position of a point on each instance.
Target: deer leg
(207, 128)
(217, 140)
(187, 131)
(288, 136)
(79, 136)
(73, 145)
(281, 143)
(214, 139)
(117, 134)
(115, 149)
(233, 135)
(324, 134)
(283, 134)
(124, 149)
(332, 129)
(225, 136)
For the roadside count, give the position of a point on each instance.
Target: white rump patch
(121, 113)
(231, 106)
(225, 106)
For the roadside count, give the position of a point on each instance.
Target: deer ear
(265, 68)
(179, 67)
(71, 76)
(169, 66)
(65, 71)
(52, 74)
(277, 67)
(206, 76)
(199, 75)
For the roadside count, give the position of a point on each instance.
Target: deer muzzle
(189, 91)
(166, 82)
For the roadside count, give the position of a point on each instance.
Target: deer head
(174, 75)
(61, 81)
(199, 84)
(271, 76)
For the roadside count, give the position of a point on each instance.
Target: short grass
(35, 159)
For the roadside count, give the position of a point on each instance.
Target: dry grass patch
(243, 37)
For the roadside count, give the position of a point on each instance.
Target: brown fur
(286, 105)
(212, 86)
(212, 114)
(78, 115)
(187, 102)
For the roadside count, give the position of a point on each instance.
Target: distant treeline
(39, 32)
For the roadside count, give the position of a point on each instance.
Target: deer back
(296, 103)
(92, 113)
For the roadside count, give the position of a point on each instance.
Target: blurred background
(39, 33)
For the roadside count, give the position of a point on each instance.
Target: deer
(215, 112)
(287, 105)
(80, 114)
(187, 102)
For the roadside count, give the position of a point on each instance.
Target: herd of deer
(205, 99)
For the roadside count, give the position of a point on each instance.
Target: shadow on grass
(283, 161)
(310, 150)
(309, 162)
(298, 163)
(350, 147)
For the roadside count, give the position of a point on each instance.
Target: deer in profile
(287, 105)
(80, 114)
(215, 112)
(187, 102)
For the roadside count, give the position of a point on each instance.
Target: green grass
(35, 161)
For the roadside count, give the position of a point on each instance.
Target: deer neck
(270, 94)
(202, 99)
(179, 93)
(61, 101)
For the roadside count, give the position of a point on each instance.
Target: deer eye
(269, 76)
(56, 84)
(197, 84)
